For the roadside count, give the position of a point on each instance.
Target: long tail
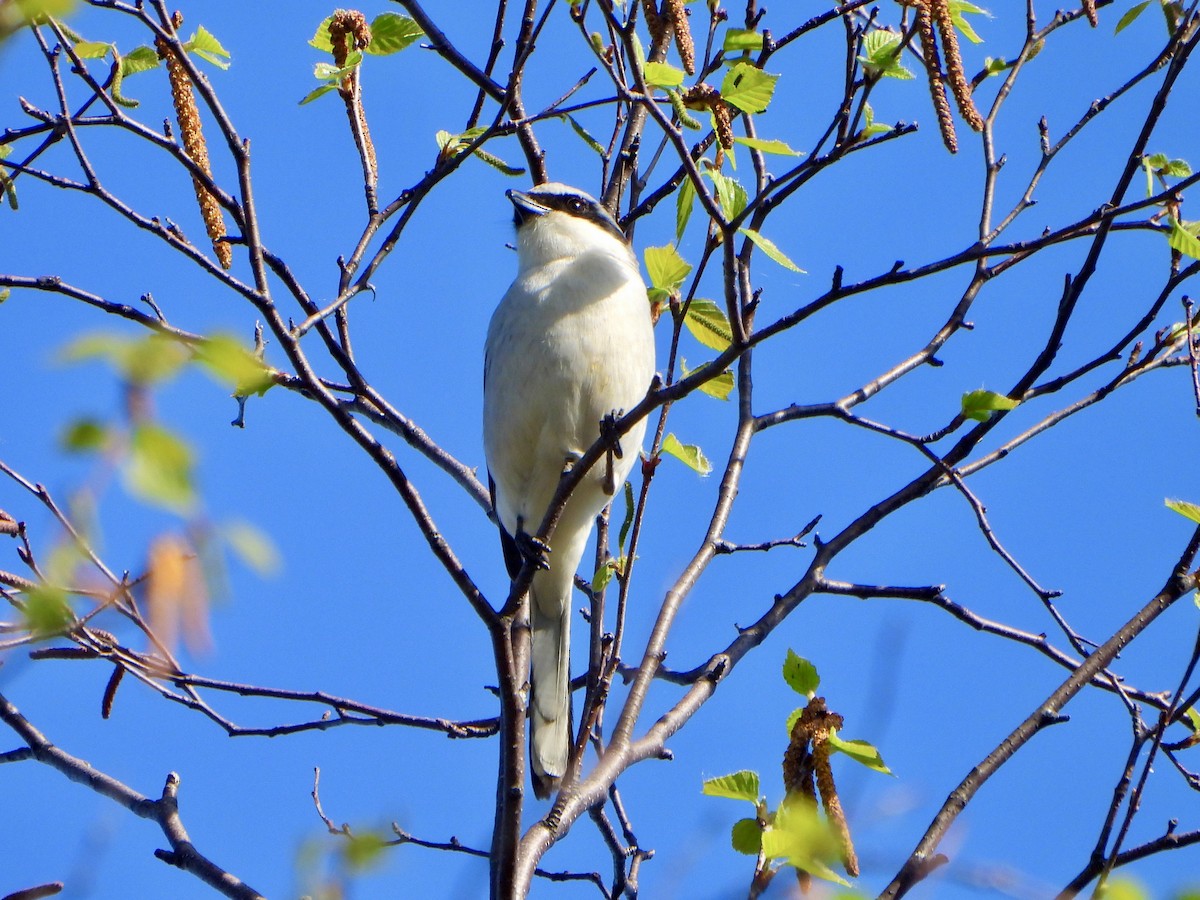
(550, 703)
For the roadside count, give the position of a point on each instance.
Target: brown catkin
(654, 22)
(939, 10)
(1089, 10)
(674, 10)
(352, 23)
(833, 806)
(705, 96)
(933, 70)
(188, 116)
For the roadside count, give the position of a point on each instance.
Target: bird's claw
(533, 550)
(612, 443)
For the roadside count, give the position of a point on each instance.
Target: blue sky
(359, 609)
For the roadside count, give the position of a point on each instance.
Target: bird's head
(555, 221)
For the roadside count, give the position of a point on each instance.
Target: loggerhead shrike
(570, 344)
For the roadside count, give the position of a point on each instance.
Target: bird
(569, 347)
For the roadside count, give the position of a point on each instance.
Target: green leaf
(603, 575)
(147, 360)
(1177, 168)
(362, 850)
(708, 324)
(47, 610)
(91, 49)
(958, 10)
(630, 508)
(663, 76)
(391, 33)
(1121, 888)
(980, 404)
(800, 675)
(764, 145)
(234, 365)
(769, 248)
(689, 454)
(730, 194)
(805, 840)
(872, 128)
(666, 268)
(748, 88)
(741, 785)
(318, 92)
(139, 59)
(1185, 509)
(321, 40)
(1183, 240)
(994, 66)
(585, 135)
(5, 293)
(207, 47)
(739, 39)
(86, 435)
(746, 836)
(159, 469)
(327, 71)
(1130, 14)
(684, 201)
(252, 546)
(792, 719)
(881, 55)
(720, 386)
(860, 752)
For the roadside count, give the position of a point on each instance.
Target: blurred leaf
(746, 836)
(881, 55)
(143, 361)
(234, 365)
(1185, 509)
(176, 593)
(689, 454)
(805, 840)
(748, 88)
(763, 145)
(207, 47)
(800, 675)
(769, 248)
(1121, 888)
(663, 76)
(741, 785)
(391, 33)
(361, 851)
(139, 59)
(666, 268)
(85, 435)
(860, 752)
(47, 610)
(980, 404)
(720, 386)
(252, 546)
(1183, 239)
(159, 469)
(739, 39)
(1130, 14)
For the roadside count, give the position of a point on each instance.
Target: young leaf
(741, 785)
(730, 194)
(1182, 239)
(860, 752)
(746, 836)
(800, 675)
(684, 201)
(663, 76)
(1130, 14)
(47, 610)
(159, 469)
(321, 40)
(207, 47)
(980, 404)
(881, 55)
(748, 88)
(91, 49)
(689, 454)
(86, 435)
(139, 59)
(773, 145)
(792, 719)
(769, 248)
(958, 10)
(1188, 510)
(666, 268)
(805, 840)
(720, 387)
(318, 92)
(391, 33)
(739, 39)
(708, 324)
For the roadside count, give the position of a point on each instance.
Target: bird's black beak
(525, 207)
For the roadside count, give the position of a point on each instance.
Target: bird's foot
(533, 550)
(612, 443)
